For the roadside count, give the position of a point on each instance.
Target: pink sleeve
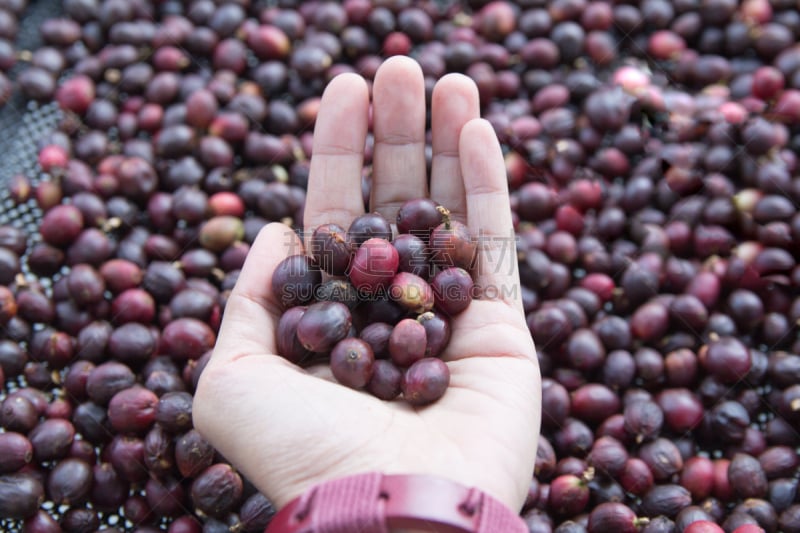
(376, 503)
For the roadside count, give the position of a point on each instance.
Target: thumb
(252, 310)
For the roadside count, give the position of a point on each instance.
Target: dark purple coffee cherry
(351, 362)
(330, 249)
(323, 325)
(452, 290)
(15, 452)
(217, 490)
(368, 226)
(289, 346)
(425, 381)
(338, 290)
(452, 245)
(294, 281)
(386, 380)
(418, 217)
(377, 336)
(412, 254)
(407, 342)
(21, 494)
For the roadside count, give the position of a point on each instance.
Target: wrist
(377, 503)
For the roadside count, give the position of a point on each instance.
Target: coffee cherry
(323, 325)
(452, 245)
(425, 381)
(294, 281)
(374, 265)
(352, 362)
(407, 342)
(331, 250)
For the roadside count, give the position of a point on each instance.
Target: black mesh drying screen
(20, 129)
(22, 126)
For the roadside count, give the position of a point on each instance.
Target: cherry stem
(445, 215)
(111, 224)
(424, 317)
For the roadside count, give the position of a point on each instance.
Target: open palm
(288, 428)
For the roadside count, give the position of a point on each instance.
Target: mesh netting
(21, 130)
(23, 125)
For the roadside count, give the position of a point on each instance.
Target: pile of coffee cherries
(651, 150)
(382, 318)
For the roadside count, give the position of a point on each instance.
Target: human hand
(287, 428)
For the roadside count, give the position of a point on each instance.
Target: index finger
(334, 183)
(489, 212)
(399, 167)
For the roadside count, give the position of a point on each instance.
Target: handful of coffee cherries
(382, 316)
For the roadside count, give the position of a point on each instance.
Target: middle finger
(399, 169)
